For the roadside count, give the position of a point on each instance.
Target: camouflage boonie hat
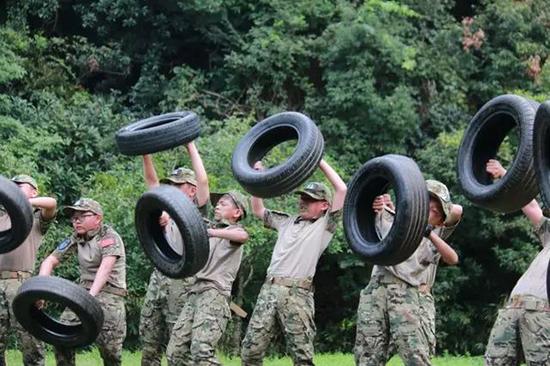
(180, 176)
(23, 178)
(238, 198)
(440, 191)
(84, 204)
(317, 191)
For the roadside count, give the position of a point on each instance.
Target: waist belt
(107, 288)
(303, 283)
(13, 275)
(389, 279)
(528, 302)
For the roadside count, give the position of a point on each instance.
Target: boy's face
(28, 190)
(85, 221)
(437, 216)
(311, 208)
(188, 189)
(226, 209)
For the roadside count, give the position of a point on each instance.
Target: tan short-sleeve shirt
(222, 265)
(420, 268)
(91, 249)
(533, 281)
(300, 243)
(23, 257)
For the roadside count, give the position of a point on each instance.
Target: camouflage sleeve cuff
(334, 218)
(272, 219)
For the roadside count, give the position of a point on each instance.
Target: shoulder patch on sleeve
(107, 241)
(64, 244)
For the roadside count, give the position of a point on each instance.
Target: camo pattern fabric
(112, 334)
(198, 330)
(520, 329)
(292, 308)
(31, 348)
(390, 313)
(164, 300)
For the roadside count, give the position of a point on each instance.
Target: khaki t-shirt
(222, 265)
(91, 249)
(420, 268)
(533, 281)
(300, 243)
(23, 257)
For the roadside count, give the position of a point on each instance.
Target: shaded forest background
(377, 76)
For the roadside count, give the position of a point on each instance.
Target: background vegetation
(377, 76)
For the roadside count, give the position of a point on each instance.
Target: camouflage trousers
(198, 329)
(427, 320)
(520, 327)
(290, 307)
(164, 300)
(390, 313)
(32, 349)
(110, 339)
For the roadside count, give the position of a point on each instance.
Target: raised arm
(532, 210)
(46, 204)
(203, 190)
(256, 203)
(338, 184)
(149, 172)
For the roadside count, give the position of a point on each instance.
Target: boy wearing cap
(287, 294)
(166, 296)
(102, 267)
(205, 315)
(523, 325)
(18, 265)
(396, 311)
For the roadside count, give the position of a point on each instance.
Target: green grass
(133, 358)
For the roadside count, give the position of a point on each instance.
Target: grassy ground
(131, 359)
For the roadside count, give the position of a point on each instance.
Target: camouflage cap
(23, 178)
(84, 204)
(441, 192)
(317, 191)
(238, 198)
(180, 176)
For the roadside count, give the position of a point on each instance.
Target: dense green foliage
(377, 76)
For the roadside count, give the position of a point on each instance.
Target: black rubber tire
(261, 138)
(541, 148)
(411, 203)
(189, 222)
(481, 141)
(158, 133)
(20, 212)
(68, 294)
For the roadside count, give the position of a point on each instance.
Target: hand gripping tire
(19, 210)
(541, 148)
(189, 222)
(158, 133)
(46, 328)
(411, 216)
(262, 138)
(481, 141)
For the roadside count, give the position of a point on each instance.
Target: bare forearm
(258, 207)
(149, 172)
(203, 190)
(102, 275)
(46, 204)
(338, 184)
(48, 265)
(533, 212)
(234, 235)
(448, 254)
